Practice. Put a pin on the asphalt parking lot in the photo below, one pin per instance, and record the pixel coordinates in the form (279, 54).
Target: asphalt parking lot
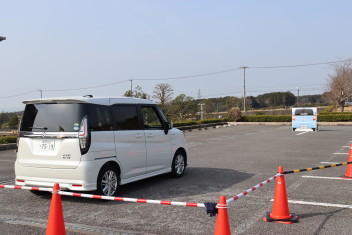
(223, 161)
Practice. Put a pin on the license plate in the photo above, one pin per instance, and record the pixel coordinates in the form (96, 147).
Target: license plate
(303, 126)
(47, 145)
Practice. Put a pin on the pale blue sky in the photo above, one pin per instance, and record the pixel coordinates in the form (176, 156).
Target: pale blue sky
(60, 45)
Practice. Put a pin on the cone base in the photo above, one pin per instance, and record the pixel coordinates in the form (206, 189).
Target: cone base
(347, 177)
(293, 219)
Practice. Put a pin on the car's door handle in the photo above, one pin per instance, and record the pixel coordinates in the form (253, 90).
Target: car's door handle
(139, 136)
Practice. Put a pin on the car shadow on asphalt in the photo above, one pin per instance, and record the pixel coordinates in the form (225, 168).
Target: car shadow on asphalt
(196, 181)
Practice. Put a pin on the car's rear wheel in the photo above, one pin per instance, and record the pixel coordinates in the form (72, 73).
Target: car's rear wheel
(178, 164)
(108, 181)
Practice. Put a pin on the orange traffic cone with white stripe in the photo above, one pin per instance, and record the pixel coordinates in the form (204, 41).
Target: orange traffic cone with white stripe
(222, 226)
(56, 224)
(280, 211)
(348, 174)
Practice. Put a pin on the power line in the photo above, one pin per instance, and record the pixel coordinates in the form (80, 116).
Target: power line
(190, 76)
(92, 87)
(297, 65)
(25, 93)
(183, 77)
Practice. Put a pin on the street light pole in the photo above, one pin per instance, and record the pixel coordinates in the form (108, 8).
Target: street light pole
(244, 86)
(297, 95)
(131, 87)
(201, 111)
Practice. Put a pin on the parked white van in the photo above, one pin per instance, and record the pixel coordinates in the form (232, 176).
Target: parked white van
(96, 144)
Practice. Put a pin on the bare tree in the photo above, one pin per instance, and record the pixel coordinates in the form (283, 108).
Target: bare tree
(163, 94)
(340, 84)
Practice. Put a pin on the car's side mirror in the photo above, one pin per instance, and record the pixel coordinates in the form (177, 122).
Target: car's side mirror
(167, 127)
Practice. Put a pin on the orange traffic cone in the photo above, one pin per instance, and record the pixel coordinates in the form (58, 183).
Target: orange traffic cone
(222, 226)
(56, 224)
(348, 174)
(280, 212)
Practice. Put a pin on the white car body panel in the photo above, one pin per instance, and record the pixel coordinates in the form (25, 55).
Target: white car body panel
(45, 158)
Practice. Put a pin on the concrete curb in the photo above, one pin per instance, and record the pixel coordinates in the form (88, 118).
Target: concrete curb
(7, 146)
(286, 123)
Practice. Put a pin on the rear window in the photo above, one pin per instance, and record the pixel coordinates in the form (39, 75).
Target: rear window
(304, 112)
(53, 117)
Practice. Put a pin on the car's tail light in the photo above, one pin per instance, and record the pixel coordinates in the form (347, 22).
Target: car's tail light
(84, 136)
(293, 117)
(314, 117)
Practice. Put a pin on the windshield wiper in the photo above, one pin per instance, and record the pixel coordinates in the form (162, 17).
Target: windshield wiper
(41, 128)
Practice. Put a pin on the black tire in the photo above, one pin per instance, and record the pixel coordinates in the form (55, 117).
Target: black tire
(313, 129)
(178, 164)
(40, 193)
(293, 129)
(108, 181)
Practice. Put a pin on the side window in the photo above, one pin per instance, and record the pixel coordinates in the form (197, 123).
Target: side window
(151, 119)
(125, 117)
(100, 118)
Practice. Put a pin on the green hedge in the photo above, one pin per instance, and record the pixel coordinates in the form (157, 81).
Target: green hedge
(287, 118)
(335, 113)
(335, 118)
(205, 121)
(266, 118)
(8, 139)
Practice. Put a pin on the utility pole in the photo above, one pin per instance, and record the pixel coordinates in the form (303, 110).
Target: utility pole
(244, 86)
(297, 95)
(201, 111)
(131, 88)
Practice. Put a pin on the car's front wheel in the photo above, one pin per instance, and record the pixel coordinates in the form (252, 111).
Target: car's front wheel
(178, 164)
(108, 181)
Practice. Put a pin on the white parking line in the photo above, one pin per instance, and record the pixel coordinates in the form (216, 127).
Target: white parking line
(302, 133)
(324, 177)
(330, 162)
(318, 204)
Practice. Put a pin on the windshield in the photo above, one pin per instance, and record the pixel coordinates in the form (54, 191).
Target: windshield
(53, 117)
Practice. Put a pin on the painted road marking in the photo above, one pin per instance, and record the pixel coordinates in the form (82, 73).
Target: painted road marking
(7, 161)
(324, 177)
(330, 162)
(318, 204)
(302, 133)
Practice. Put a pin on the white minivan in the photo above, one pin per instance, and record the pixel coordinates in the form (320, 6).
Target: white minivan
(96, 144)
